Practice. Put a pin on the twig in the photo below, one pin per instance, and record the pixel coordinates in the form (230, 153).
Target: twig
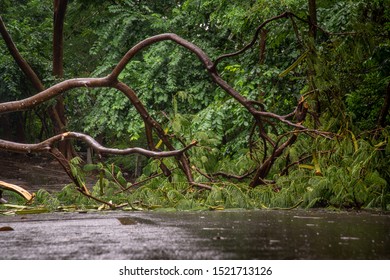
(299, 161)
(232, 176)
(255, 37)
(203, 173)
(140, 182)
(112, 206)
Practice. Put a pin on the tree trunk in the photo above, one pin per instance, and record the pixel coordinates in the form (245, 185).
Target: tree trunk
(57, 113)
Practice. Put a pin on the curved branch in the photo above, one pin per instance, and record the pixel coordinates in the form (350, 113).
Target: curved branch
(112, 79)
(51, 92)
(250, 44)
(19, 190)
(209, 65)
(203, 57)
(158, 38)
(47, 145)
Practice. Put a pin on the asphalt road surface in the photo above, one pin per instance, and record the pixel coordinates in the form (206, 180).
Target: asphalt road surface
(211, 235)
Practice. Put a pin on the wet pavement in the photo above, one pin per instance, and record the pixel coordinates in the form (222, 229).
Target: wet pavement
(295, 234)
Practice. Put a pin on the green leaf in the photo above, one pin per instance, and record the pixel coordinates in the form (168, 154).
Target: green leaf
(90, 167)
(32, 211)
(121, 179)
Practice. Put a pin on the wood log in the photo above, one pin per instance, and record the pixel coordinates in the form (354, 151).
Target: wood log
(19, 190)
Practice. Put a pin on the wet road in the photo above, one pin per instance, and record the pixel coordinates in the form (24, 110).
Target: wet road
(123, 235)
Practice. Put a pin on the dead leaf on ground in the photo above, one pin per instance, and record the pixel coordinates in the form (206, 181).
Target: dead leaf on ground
(6, 228)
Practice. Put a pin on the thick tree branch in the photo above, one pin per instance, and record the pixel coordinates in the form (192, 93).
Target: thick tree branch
(209, 65)
(47, 146)
(111, 79)
(203, 57)
(31, 102)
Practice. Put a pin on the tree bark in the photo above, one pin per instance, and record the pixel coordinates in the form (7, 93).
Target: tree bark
(57, 113)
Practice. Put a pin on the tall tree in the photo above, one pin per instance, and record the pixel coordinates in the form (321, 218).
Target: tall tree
(57, 113)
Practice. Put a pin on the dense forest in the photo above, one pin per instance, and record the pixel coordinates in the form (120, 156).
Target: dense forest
(200, 104)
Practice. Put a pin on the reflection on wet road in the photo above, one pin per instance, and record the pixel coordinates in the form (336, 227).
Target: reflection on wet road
(197, 235)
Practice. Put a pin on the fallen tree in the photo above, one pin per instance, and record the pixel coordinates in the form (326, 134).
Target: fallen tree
(288, 133)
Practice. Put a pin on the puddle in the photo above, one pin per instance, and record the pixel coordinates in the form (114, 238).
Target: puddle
(126, 221)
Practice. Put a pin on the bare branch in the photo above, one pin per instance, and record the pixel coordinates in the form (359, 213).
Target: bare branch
(48, 144)
(158, 38)
(255, 37)
(17, 189)
(233, 176)
(136, 184)
(51, 92)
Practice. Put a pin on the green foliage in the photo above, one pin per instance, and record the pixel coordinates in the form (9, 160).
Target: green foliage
(11, 198)
(352, 71)
(353, 175)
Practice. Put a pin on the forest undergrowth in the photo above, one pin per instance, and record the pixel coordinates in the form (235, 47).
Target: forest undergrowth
(345, 173)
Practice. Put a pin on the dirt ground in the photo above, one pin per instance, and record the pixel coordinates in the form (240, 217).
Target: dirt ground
(32, 172)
